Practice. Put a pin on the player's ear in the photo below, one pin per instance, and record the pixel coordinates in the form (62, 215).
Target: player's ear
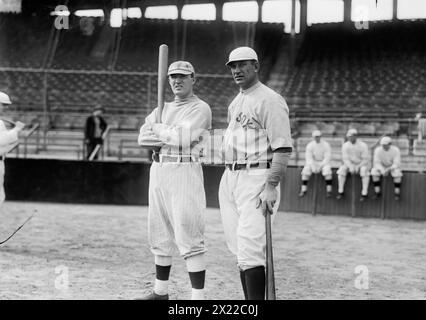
(256, 66)
(193, 78)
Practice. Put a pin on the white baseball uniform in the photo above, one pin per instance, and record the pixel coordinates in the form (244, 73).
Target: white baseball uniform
(176, 190)
(7, 139)
(356, 156)
(318, 156)
(384, 160)
(258, 124)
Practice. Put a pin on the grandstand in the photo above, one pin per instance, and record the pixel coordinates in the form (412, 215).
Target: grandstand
(333, 77)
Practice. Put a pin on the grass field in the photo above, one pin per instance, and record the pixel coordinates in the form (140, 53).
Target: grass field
(103, 252)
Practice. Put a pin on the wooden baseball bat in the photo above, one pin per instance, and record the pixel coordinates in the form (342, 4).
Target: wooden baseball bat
(270, 276)
(163, 53)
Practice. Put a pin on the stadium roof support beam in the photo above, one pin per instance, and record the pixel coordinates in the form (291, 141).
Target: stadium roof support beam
(395, 10)
(303, 15)
(259, 12)
(347, 9)
(219, 9)
(293, 17)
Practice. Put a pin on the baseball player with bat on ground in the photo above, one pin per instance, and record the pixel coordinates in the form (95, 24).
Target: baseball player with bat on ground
(176, 188)
(257, 146)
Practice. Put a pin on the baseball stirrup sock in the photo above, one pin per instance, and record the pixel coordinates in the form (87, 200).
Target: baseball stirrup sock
(197, 283)
(376, 185)
(397, 186)
(197, 279)
(161, 285)
(162, 272)
(328, 184)
(255, 281)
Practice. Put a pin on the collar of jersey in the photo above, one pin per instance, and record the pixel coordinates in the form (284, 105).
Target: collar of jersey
(179, 102)
(252, 88)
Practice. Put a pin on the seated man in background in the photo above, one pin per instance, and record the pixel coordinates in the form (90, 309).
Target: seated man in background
(387, 159)
(355, 157)
(318, 156)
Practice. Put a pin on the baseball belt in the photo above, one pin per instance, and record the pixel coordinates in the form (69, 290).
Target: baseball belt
(243, 166)
(169, 158)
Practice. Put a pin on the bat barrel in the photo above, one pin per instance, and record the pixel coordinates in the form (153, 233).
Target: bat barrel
(163, 53)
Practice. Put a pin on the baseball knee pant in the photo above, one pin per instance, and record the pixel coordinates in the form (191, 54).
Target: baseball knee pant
(243, 223)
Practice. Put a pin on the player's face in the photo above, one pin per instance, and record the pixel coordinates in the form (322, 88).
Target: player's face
(181, 85)
(244, 73)
(386, 147)
(352, 139)
(318, 139)
(1, 107)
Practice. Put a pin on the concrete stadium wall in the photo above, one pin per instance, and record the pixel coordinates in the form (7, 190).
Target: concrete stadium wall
(126, 183)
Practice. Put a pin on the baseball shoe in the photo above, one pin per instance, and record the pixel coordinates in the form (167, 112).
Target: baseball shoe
(363, 198)
(154, 296)
(302, 194)
(340, 196)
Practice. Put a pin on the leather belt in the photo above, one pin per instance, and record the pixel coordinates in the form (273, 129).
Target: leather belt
(2, 158)
(243, 166)
(171, 159)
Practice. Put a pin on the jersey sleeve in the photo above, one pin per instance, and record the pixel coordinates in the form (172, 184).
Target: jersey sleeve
(274, 117)
(309, 154)
(189, 129)
(397, 158)
(147, 138)
(8, 137)
(376, 157)
(327, 154)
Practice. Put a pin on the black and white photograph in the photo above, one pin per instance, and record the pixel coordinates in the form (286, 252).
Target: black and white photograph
(212, 150)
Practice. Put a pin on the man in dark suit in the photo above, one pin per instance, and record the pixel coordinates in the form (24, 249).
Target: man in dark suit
(95, 127)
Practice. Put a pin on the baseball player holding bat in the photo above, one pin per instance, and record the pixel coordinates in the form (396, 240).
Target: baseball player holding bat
(257, 145)
(176, 188)
(8, 139)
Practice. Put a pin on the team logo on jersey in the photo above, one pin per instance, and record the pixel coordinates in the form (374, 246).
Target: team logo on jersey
(247, 121)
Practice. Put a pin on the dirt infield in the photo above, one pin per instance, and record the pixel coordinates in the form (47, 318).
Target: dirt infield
(103, 252)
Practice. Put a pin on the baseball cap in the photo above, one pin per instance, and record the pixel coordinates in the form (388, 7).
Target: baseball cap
(351, 132)
(241, 54)
(4, 98)
(385, 141)
(98, 107)
(181, 67)
(316, 133)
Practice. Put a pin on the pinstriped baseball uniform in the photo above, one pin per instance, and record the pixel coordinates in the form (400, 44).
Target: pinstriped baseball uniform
(258, 123)
(7, 139)
(176, 190)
